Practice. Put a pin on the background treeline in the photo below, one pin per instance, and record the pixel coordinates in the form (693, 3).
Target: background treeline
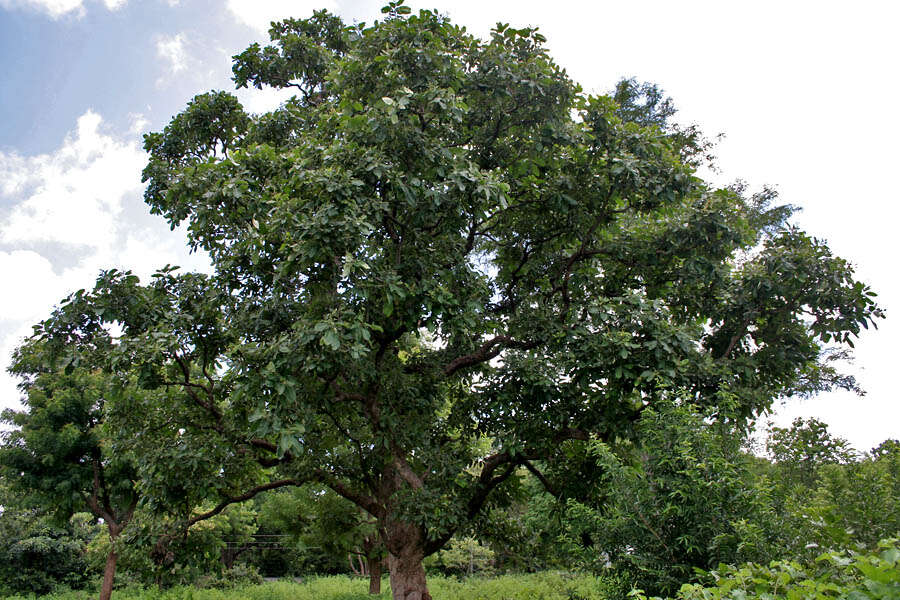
(690, 497)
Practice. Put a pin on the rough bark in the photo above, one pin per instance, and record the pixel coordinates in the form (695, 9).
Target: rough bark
(109, 575)
(406, 549)
(374, 574)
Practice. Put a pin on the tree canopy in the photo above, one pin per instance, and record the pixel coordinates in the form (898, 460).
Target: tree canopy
(60, 454)
(439, 262)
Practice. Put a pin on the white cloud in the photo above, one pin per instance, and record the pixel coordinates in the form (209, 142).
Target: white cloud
(58, 8)
(171, 49)
(25, 265)
(139, 124)
(85, 196)
(75, 193)
(75, 211)
(258, 14)
(53, 8)
(264, 100)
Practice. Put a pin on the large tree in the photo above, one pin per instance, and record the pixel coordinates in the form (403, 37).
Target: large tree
(441, 261)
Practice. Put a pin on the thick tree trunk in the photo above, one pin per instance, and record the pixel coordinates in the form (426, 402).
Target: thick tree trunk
(406, 549)
(408, 577)
(109, 575)
(374, 574)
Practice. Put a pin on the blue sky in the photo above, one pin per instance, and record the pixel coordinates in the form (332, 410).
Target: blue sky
(804, 91)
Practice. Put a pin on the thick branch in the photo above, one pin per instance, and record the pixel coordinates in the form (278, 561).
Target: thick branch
(161, 553)
(365, 502)
(404, 469)
(486, 352)
(269, 447)
(540, 477)
(486, 483)
(248, 495)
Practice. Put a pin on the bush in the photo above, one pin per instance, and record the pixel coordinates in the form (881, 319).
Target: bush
(682, 500)
(38, 555)
(239, 575)
(838, 575)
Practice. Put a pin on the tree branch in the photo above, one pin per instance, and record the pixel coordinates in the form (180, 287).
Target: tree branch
(365, 502)
(486, 352)
(540, 477)
(248, 495)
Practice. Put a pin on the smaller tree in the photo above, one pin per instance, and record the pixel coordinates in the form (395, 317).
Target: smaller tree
(801, 449)
(465, 556)
(58, 454)
(684, 498)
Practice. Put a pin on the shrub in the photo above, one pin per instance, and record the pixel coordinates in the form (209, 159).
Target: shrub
(848, 575)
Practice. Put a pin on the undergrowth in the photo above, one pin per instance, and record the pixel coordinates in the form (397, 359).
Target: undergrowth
(537, 586)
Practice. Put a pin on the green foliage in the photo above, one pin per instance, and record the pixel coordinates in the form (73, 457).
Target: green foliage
(802, 449)
(539, 586)
(826, 496)
(193, 557)
(683, 499)
(438, 263)
(37, 554)
(60, 441)
(522, 528)
(321, 529)
(463, 556)
(839, 575)
(60, 454)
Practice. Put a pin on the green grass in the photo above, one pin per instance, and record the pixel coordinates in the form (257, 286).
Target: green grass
(538, 586)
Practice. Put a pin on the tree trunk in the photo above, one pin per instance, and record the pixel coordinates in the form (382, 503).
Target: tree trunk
(228, 557)
(374, 574)
(406, 549)
(109, 575)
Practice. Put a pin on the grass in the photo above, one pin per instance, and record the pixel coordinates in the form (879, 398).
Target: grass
(537, 586)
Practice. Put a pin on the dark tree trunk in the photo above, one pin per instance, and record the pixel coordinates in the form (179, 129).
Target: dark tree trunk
(109, 575)
(228, 556)
(406, 549)
(374, 574)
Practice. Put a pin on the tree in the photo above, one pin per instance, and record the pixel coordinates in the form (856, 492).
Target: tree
(829, 497)
(683, 498)
(802, 449)
(440, 261)
(59, 454)
(199, 555)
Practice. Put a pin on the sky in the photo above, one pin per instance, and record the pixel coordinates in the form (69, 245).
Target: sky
(805, 93)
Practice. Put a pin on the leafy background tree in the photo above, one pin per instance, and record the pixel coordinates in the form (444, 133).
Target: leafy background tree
(683, 498)
(329, 534)
(58, 455)
(38, 553)
(828, 496)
